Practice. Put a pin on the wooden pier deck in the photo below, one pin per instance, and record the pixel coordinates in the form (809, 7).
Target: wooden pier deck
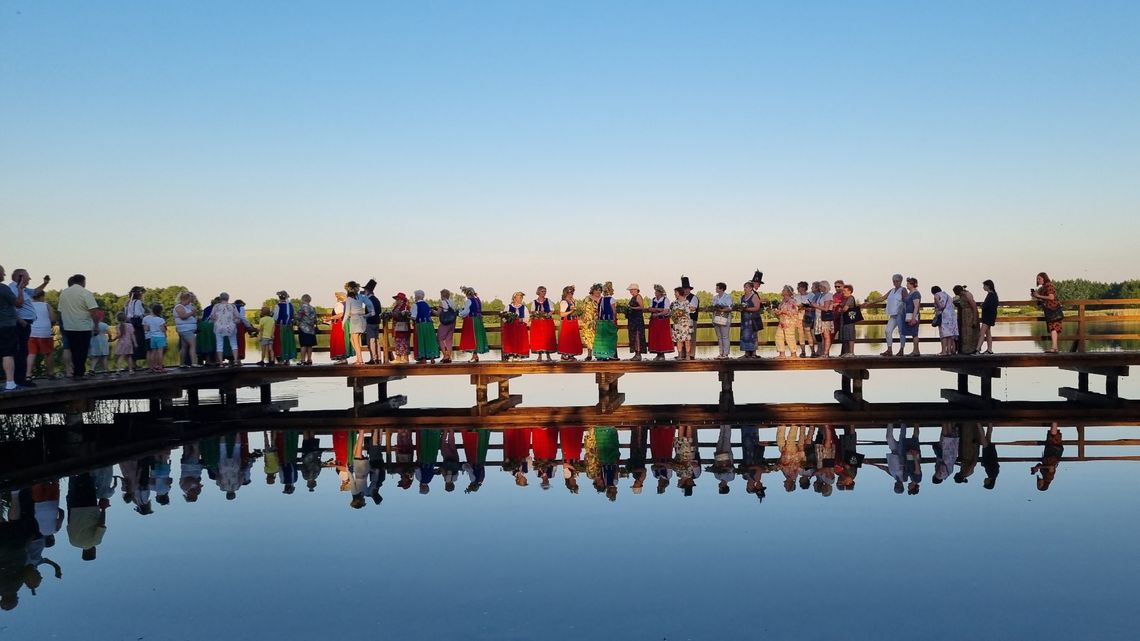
(502, 407)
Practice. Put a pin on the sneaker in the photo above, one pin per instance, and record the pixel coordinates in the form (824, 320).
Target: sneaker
(10, 387)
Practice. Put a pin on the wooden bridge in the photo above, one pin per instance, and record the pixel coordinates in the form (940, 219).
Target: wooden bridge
(502, 408)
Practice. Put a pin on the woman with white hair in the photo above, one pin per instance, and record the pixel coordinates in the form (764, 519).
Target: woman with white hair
(427, 346)
(226, 318)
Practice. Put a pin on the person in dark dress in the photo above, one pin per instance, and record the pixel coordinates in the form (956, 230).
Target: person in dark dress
(635, 322)
(990, 458)
(989, 318)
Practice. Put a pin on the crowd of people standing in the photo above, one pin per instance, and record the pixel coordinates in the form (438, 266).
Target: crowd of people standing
(809, 319)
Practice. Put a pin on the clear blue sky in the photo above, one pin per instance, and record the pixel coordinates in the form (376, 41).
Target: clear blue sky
(258, 145)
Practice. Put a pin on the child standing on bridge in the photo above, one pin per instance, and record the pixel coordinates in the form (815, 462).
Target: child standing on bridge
(154, 325)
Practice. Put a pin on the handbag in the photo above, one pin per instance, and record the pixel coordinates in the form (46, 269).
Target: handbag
(1054, 315)
(909, 316)
(448, 316)
(827, 315)
(937, 320)
(720, 320)
(853, 315)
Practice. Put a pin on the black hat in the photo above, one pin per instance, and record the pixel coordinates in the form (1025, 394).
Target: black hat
(370, 286)
(685, 283)
(758, 277)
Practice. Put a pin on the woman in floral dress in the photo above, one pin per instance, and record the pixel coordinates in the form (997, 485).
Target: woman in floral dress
(948, 328)
(588, 321)
(1046, 297)
(682, 325)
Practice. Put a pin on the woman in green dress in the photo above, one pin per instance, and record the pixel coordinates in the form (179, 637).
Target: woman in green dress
(605, 330)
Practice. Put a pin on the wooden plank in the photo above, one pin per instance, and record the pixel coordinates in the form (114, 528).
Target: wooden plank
(848, 401)
(981, 372)
(378, 407)
(965, 398)
(353, 381)
(1090, 398)
(1115, 370)
(496, 406)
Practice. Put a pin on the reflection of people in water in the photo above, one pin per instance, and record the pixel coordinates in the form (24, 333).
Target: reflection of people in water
(367, 472)
(990, 458)
(428, 452)
(190, 472)
(285, 442)
(825, 442)
(270, 459)
(48, 514)
(609, 453)
(20, 548)
(912, 463)
(475, 443)
(752, 465)
(405, 454)
(847, 467)
(896, 457)
(234, 464)
(970, 435)
(570, 440)
(516, 453)
(1050, 458)
(722, 467)
(635, 464)
(684, 458)
(789, 439)
(86, 514)
(449, 467)
(945, 453)
(160, 479)
(310, 459)
(661, 449)
(136, 484)
(545, 443)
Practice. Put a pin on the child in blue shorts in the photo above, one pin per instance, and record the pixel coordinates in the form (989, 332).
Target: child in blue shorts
(154, 326)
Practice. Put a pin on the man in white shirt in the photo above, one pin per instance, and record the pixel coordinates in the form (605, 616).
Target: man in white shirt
(895, 314)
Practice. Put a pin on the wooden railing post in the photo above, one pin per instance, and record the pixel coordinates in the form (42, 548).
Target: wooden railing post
(1081, 328)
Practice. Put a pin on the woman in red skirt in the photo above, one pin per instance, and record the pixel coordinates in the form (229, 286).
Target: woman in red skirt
(660, 334)
(336, 329)
(545, 443)
(542, 337)
(515, 334)
(569, 338)
(516, 451)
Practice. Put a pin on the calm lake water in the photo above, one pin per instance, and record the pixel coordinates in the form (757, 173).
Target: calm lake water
(245, 558)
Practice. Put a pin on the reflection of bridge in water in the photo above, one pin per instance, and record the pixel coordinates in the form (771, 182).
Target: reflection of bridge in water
(182, 394)
(61, 450)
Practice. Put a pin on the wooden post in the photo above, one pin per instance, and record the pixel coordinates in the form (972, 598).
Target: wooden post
(1081, 328)
(727, 399)
(192, 397)
(384, 344)
(1080, 441)
(266, 393)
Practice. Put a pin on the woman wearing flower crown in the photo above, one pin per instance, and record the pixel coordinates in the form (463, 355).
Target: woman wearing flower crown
(569, 333)
(515, 337)
(542, 336)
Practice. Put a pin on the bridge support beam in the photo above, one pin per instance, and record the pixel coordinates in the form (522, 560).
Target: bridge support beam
(850, 392)
(1082, 394)
(963, 396)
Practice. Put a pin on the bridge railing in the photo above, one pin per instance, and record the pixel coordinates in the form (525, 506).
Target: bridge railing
(1080, 316)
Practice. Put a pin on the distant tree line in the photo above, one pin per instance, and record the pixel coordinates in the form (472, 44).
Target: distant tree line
(1079, 288)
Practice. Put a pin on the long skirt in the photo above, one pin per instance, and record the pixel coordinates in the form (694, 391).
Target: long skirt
(427, 348)
(750, 325)
(636, 329)
(401, 337)
(571, 439)
(473, 336)
(569, 338)
(475, 443)
(605, 339)
(660, 335)
(446, 335)
(228, 349)
(968, 330)
(207, 343)
(516, 339)
(542, 337)
(336, 341)
(141, 343)
(284, 343)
